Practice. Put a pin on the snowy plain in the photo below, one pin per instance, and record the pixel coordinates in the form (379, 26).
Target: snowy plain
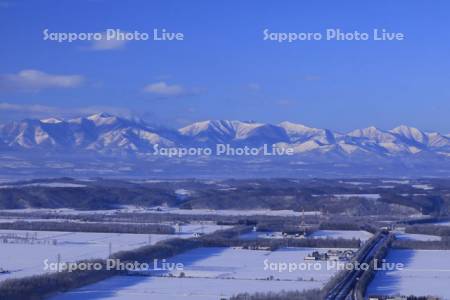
(212, 273)
(344, 234)
(27, 258)
(426, 272)
(417, 237)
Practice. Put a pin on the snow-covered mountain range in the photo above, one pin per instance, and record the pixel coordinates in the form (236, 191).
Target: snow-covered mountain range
(104, 133)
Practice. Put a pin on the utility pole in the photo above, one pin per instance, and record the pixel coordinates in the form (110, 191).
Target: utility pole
(58, 258)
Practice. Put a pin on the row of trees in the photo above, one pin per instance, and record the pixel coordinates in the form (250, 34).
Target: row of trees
(347, 226)
(429, 229)
(422, 245)
(313, 294)
(89, 227)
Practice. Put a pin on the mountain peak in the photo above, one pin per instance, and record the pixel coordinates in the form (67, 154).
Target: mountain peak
(409, 133)
(294, 126)
(404, 128)
(99, 116)
(51, 120)
(102, 118)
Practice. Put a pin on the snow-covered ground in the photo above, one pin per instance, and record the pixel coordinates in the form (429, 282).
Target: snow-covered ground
(24, 259)
(47, 184)
(212, 273)
(426, 272)
(345, 234)
(159, 288)
(423, 186)
(206, 227)
(349, 196)
(261, 235)
(396, 181)
(417, 237)
(365, 196)
(356, 182)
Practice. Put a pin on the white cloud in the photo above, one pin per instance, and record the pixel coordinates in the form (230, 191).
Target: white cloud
(163, 89)
(108, 43)
(17, 111)
(34, 80)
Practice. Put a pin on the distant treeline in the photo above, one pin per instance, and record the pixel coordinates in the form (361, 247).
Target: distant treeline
(411, 297)
(426, 221)
(274, 244)
(159, 217)
(89, 227)
(40, 286)
(429, 229)
(313, 294)
(287, 227)
(347, 226)
(422, 245)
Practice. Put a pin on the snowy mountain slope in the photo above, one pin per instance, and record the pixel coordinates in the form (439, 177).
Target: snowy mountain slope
(105, 133)
(223, 131)
(99, 132)
(301, 133)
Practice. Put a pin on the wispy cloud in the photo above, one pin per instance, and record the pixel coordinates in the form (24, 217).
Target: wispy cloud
(18, 111)
(166, 90)
(34, 80)
(109, 42)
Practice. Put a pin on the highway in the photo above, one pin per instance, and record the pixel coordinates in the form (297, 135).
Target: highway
(344, 289)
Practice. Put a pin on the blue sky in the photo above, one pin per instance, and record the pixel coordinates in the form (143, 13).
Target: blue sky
(223, 69)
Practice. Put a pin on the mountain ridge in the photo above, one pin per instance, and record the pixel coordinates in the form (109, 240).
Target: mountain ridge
(106, 133)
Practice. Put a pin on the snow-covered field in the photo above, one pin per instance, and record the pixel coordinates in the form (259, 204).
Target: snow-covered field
(423, 186)
(426, 272)
(365, 196)
(417, 237)
(396, 181)
(211, 273)
(49, 184)
(24, 259)
(160, 288)
(345, 234)
(261, 235)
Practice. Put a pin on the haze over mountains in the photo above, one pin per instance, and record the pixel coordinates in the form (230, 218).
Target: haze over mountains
(108, 134)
